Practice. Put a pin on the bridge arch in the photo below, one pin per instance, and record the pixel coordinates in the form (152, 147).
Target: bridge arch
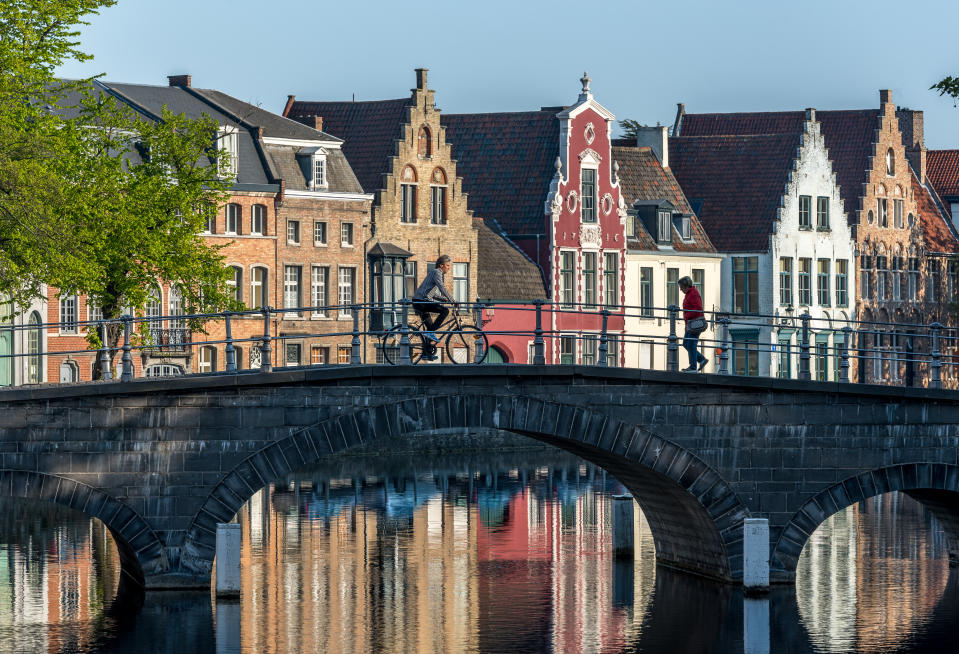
(693, 514)
(934, 485)
(139, 549)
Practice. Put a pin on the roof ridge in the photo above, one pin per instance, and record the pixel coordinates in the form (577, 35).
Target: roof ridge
(296, 102)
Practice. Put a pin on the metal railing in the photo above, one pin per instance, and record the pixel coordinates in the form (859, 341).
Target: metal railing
(799, 347)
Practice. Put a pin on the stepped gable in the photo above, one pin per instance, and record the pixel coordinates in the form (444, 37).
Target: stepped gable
(643, 178)
(937, 236)
(740, 180)
(504, 272)
(506, 163)
(942, 169)
(849, 136)
(369, 131)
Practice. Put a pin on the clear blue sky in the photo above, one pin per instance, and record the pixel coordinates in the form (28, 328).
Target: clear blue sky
(509, 55)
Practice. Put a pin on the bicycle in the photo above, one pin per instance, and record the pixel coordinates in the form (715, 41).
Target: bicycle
(460, 341)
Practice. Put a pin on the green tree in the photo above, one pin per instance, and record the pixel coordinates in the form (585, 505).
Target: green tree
(630, 128)
(94, 198)
(947, 86)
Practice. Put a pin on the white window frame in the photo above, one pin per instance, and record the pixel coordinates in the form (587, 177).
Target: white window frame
(438, 199)
(68, 316)
(292, 232)
(324, 242)
(408, 202)
(319, 290)
(564, 287)
(347, 235)
(232, 218)
(461, 283)
(262, 285)
(292, 283)
(236, 282)
(206, 362)
(593, 197)
(228, 139)
(318, 179)
(258, 219)
(345, 289)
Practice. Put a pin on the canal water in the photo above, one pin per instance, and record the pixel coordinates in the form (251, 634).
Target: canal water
(496, 552)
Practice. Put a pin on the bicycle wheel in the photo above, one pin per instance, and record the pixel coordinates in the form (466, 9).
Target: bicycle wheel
(390, 345)
(461, 345)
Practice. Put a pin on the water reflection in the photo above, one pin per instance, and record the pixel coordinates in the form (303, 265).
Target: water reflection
(474, 553)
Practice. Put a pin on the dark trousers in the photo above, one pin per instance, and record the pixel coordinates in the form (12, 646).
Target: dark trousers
(425, 309)
(691, 343)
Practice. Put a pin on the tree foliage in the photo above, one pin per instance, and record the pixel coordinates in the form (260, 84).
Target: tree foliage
(630, 128)
(947, 86)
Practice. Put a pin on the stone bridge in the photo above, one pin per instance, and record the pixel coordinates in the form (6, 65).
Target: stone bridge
(161, 462)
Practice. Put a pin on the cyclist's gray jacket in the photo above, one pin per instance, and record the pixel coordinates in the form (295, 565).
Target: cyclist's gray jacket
(433, 288)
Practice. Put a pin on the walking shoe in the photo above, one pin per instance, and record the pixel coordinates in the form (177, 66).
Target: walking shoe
(430, 335)
(430, 357)
(702, 364)
(690, 369)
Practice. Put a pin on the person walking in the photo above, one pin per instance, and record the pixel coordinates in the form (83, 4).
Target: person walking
(695, 321)
(426, 301)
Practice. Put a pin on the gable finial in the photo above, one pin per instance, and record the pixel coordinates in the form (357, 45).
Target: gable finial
(558, 165)
(585, 80)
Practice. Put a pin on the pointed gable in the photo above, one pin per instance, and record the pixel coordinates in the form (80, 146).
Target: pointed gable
(740, 181)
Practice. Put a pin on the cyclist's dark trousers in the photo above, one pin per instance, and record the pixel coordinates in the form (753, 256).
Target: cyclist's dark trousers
(427, 308)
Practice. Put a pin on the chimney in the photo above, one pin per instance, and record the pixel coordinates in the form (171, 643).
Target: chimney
(810, 114)
(911, 125)
(318, 123)
(678, 123)
(290, 99)
(885, 97)
(179, 80)
(421, 78)
(657, 139)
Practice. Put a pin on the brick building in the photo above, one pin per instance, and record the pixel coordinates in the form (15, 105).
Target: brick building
(399, 152)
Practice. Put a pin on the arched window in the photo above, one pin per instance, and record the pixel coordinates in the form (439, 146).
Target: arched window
(438, 197)
(68, 372)
(258, 219)
(258, 288)
(207, 359)
(232, 218)
(424, 145)
(34, 341)
(154, 309)
(176, 309)
(236, 283)
(408, 195)
(890, 162)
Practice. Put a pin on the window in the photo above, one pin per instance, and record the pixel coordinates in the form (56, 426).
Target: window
(745, 353)
(347, 282)
(823, 284)
(686, 230)
(805, 212)
(611, 279)
(865, 277)
(207, 359)
(343, 353)
(258, 219)
(293, 354)
(319, 171)
(94, 312)
(890, 162)
(236, 283)
(822, 357)
(588, 195)
(842, 283)
(68, 314)
(232, 218)
(672, 286)
(665, 228)
(291, 290)
(822, 213)
(424, 142)
(162, 370)
(408, 203)
(153, 310)
(320, 281)
(881, 288)
(935, 272)
(897, 213)
(838, 341)
(952, 282)
(567, 271)
(259, 294)
(319, 233)
(228, 142)
(256, 357)
(589, 279)
(785, 281)
(589, 351)
(612, 351)
(175, 298)
(319, 355)
(293, 232)
(805, 281)
(346, 235)
(34, 342)
(785, 357)
(895, 275)
(461, 282)
(567, 350)
(646, 292)
(68, 372)
(745, 284)
(210, 223)
(883, 212)
(699, 282)
(912, 279)
(410, 279)
(438, 205)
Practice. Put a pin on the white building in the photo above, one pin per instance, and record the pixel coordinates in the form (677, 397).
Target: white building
(771, 203)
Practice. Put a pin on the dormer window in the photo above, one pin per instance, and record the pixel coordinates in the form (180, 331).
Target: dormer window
(318, 179)
(665, 234)
(228, 142)
(683, 223)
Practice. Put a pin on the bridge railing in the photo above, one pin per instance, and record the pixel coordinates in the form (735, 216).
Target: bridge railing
(808, 347)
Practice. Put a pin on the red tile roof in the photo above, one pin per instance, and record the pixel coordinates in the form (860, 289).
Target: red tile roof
(369, 130)
(506, 163)
(642, 177)
(942, 168)
(849, 137)
(937, 234)
(741, 181)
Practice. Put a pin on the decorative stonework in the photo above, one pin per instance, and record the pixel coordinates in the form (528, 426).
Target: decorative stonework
(607, 204)
(588, 154)
(590, 133)
(590, 236)
(572, 200)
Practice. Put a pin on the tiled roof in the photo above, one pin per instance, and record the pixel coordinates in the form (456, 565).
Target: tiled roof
(274, 125)
(849, 137)
(942, 168)
(503, 271)
(506, 163)
(937, 235)
(740, 179)
(369, 131)
(339, 175)
(642, 178)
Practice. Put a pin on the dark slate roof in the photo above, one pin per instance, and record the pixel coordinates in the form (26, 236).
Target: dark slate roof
(937, 233)
(741, 181)
(503, 271)
(274, 125)
(942, 168)
(849, 137)
(642, 178)
(369, 131)
(339, 175)
(506, 163)
(389, 250)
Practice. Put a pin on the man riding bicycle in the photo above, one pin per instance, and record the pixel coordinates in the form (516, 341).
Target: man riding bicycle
(426, 301)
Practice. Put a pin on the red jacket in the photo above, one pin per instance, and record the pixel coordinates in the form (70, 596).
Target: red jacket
(692, 305)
